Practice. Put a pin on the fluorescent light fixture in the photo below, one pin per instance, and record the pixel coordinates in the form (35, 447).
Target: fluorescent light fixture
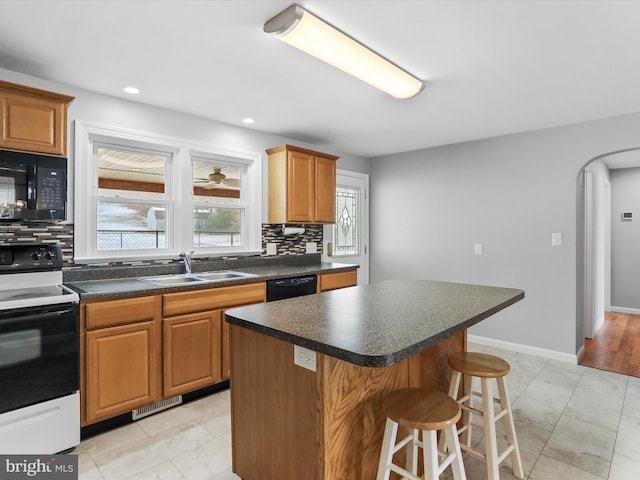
(247, 120)
(132, 90)
(299, 28)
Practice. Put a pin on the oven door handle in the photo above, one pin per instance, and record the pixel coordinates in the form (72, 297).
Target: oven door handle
(14, 317)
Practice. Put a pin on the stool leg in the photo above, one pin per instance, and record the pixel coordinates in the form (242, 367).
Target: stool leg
(430, 453)
(466, 415)
(453, 444)
(386, 453)
(454, 387)
(488, 415)
(412, 451)
(516, 462)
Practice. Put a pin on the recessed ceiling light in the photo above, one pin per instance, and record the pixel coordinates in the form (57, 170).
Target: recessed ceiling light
(132, 90)
(248, 120)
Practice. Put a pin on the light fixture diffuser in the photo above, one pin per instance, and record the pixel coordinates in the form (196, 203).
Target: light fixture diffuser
(301, 29)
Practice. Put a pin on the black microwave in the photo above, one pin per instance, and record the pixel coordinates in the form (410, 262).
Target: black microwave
(32, 187)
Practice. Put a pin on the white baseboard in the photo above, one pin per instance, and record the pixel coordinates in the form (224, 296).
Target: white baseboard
(518, 347)
(632, 311)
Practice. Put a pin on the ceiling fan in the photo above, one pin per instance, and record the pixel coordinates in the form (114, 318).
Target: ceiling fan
(217, 179)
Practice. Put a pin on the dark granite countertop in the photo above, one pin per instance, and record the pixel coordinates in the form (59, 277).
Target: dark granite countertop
(133, 286)
(379, 324)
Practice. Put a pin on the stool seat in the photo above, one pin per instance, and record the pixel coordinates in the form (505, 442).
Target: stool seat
(421, 409)
(479, 364)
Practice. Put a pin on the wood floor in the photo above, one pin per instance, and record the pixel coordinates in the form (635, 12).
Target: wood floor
(616, 346)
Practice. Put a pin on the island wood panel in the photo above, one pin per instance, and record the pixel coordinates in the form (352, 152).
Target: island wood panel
(353, 422)
(289, 422)
(430, 367)
(275, 411)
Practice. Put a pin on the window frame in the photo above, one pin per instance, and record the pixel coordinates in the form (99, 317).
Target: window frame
(178, 192)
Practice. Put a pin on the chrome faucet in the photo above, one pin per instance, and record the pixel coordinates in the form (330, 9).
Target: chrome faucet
(187, 260)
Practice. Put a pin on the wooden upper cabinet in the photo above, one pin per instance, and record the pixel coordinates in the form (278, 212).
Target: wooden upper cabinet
(302, 185)
(33, 120)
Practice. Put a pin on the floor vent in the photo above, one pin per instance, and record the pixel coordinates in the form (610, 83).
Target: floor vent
(156, 407)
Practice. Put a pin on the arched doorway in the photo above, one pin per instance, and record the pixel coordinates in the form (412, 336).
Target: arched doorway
(597, 267)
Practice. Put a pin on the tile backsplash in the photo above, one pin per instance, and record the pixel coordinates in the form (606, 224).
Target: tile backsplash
(33, 233)
(291, 244)
(14, 233)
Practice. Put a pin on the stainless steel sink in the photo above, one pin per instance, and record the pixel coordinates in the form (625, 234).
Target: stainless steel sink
(213, 276)
(191, 278)
(168, 280)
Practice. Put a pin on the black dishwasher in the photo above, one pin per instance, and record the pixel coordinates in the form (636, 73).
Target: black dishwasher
(291, 287)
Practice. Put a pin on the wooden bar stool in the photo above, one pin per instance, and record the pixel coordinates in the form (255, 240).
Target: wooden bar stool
(427, 410)
(486, 367)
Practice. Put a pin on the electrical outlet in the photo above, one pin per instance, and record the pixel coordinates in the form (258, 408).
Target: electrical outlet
(477, 248)
(556, 239)
(272, 249)
(304, 358)
(312, 247)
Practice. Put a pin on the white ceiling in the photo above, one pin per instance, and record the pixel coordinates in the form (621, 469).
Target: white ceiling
(490, 67)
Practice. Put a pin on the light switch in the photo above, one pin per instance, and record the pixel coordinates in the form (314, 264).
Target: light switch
(477, 248)
(556, 239)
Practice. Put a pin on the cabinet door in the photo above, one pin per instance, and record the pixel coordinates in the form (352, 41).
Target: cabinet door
(300, 187)
(124, 370)
(192, 352)
(33, 124)
(325, 210)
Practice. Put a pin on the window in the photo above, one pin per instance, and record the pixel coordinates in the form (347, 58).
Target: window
(345, 231)
(140, 187)
(218, 207)
(132, 206)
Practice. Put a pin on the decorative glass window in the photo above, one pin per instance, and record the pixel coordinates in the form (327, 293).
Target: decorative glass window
(345, 232)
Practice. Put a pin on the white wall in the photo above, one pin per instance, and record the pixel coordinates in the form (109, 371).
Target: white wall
(93, 107)
(509, 193)
(625, 239)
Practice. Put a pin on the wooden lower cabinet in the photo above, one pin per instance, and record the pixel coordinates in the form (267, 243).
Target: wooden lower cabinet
(139, 351)
(201, 304)
(333, 281)
(123, 370)
(191, 349)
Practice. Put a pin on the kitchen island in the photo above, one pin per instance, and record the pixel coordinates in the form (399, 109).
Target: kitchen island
(323, 420)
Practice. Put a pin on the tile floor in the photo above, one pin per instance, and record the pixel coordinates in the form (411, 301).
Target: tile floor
(573, 423)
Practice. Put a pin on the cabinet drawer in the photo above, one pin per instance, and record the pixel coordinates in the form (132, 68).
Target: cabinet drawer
(212, 298)
(332, 281)
(120, 312)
